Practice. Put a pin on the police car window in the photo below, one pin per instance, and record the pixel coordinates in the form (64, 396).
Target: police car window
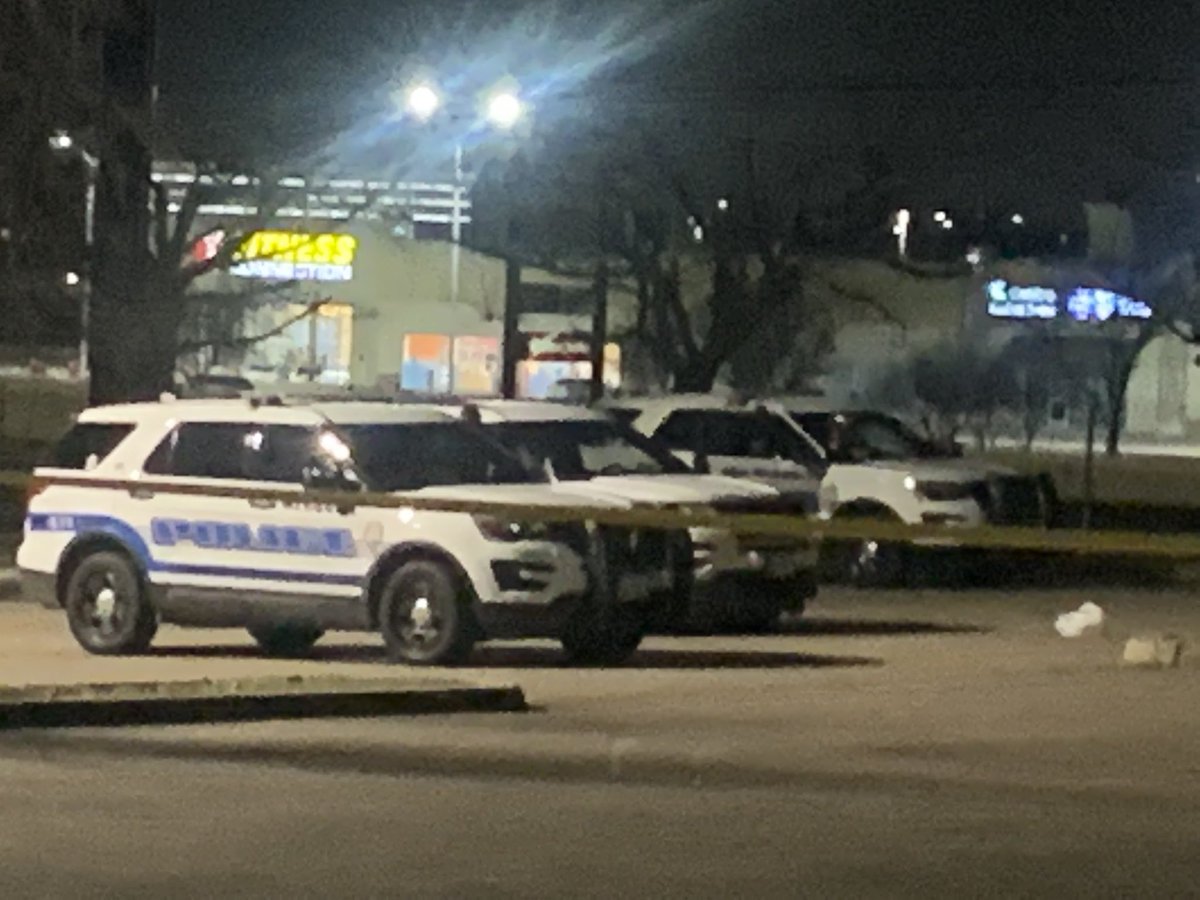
(413, 456)
(788, 444)
(88, 443)
(585, 448)
(729, 434)
(203, 450)
(817, 425)
(681, 431)
(278, 453)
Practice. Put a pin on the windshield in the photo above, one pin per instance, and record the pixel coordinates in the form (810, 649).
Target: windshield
(861, 438)
(408, 457)
(585, 448)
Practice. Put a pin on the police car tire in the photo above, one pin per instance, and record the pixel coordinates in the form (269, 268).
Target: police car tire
(285, 640)
(603, 640)
(138, 624)
(447, 601)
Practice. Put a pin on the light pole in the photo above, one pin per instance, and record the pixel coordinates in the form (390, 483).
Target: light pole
(503, 111)
(62, 142)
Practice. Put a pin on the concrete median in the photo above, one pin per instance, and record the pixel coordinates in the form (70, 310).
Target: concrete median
(248, 699)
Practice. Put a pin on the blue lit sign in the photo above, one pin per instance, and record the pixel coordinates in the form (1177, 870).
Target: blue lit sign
(1010, 301)
(1099, 305)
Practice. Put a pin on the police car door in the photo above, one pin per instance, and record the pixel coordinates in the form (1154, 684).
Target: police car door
(238, 545)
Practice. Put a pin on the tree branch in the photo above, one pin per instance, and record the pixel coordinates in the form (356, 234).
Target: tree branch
(870, 302)
(234, 343)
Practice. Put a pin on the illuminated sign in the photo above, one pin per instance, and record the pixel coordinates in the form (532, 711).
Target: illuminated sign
(1099, 305)
(294, 256)
(1011, 301)
(207, 246)
(1084, 304)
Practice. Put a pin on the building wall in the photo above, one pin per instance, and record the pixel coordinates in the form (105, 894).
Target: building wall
(399, 287)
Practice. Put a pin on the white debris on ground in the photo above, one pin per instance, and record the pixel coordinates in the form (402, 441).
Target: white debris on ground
(1074, 624)
(1153, 652)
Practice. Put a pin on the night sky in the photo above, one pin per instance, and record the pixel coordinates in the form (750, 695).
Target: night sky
(1038, 101)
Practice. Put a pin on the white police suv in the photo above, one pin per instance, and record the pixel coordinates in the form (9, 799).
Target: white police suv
(873, 466)
(722, 580)
(141, 516)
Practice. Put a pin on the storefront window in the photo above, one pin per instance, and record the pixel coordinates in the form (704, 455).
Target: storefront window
(426, 363)
(470, 365)
(539, 380)
(476, 365)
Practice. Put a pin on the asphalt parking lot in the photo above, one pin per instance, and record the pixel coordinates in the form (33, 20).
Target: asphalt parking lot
(916, 743)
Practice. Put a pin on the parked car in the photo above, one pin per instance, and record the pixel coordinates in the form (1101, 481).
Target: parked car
(213, 386)
(117, 560)
(724, 580)
(874, 467)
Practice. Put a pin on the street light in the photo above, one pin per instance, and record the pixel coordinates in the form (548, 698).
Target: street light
(503, 111)
(62, 142)
(903, 222)
(423, 102)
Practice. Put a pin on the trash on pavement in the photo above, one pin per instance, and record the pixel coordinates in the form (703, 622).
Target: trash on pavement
(1074, 624)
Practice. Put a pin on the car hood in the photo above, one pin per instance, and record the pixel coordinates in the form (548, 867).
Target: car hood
(937, 469)
(670, 488)
(556, 495)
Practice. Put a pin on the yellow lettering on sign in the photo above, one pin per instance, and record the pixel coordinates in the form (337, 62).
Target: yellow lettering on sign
(345, 248)
(298, 248)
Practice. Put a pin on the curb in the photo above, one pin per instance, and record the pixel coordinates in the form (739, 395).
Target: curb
(257, 699)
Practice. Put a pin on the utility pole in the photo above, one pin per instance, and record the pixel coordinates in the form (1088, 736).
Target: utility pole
(600, 293)
(599, 329)
(512, 346)
(456, 224)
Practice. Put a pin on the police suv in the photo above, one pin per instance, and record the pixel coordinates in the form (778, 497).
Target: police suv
(142, 516)
(873, 467)
(722, 580)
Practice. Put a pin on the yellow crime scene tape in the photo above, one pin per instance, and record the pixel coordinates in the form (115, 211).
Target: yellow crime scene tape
(676, 517)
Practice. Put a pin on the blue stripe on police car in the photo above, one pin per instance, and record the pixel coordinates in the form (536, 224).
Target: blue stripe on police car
(267, 538)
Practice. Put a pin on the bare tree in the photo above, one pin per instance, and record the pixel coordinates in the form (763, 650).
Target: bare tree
(952, 387)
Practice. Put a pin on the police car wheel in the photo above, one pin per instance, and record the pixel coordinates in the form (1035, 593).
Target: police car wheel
(285, 640)
(603, 640)
(106, 606)
(423, 616)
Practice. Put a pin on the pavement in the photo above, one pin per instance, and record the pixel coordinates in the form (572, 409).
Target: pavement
(10, 585)
(895, 744)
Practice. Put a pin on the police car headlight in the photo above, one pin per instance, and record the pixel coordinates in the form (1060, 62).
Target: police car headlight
(497, 529)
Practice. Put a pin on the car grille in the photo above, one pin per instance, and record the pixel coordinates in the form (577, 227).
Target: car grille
(571, 534)
(641, 550)
(1015, 500)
